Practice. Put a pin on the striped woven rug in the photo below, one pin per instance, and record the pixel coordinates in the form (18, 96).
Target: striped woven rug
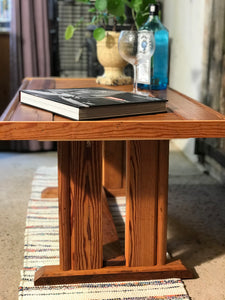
(42, 248)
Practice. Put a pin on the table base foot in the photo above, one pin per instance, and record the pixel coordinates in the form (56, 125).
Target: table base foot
(52, 275)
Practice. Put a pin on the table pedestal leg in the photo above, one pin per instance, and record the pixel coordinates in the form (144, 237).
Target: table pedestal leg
(80, 216)
(80, 205)
(146, 212)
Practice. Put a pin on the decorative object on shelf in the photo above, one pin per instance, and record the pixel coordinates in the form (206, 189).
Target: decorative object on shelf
(137, 47)
(111, 15)
(158, 77)
(110, 59)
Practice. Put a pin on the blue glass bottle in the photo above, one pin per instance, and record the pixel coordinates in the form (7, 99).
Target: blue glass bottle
(160, 58)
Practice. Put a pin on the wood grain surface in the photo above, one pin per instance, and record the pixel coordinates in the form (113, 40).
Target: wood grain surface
(80, 205)
(86, 205)
(109, 131)
(162, 201)
(141, 207)
(114, 168)
(51, 275)
(185, 118)
(112, 252)
(63, 149)
(26, 112)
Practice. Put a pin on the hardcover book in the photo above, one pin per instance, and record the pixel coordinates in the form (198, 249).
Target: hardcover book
(92, 103)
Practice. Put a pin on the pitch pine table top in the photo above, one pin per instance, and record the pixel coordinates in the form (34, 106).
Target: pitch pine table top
(185, 118)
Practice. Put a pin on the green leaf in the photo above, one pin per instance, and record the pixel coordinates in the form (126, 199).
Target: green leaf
(128, 3)
(101, 4)
(92, 10)
(116, 7)
(136, 5)
(99, 33)
(69, 32)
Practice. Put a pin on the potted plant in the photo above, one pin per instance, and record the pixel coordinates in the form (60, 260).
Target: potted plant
(112, 14)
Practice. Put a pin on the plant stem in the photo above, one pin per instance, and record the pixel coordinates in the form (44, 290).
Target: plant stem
(114, 24)
(134, 18)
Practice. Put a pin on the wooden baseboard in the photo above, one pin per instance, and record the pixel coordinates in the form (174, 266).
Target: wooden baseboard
(52, 275)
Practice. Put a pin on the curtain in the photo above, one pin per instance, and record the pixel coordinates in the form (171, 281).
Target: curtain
(29, 52)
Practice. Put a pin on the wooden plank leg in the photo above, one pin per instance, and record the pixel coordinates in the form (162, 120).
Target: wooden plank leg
(64, 157)
(114, 168)
(146, 212)
(86, 205)
(80, 205)
(141, 208)
(163, 170)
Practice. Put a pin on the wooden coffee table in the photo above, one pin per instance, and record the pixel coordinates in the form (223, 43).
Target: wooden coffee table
(91, 154)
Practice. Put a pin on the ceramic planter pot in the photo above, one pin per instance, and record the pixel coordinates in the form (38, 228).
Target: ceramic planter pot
(109, 57)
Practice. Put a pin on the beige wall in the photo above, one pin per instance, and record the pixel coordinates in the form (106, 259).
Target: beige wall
(186, 21)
